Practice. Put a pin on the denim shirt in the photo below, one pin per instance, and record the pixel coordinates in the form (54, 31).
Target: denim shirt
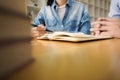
(115, 9)
(76, 18)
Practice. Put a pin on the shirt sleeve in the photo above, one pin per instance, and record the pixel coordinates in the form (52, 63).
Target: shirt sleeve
(114, 9)
(85, 22)
(39, 19)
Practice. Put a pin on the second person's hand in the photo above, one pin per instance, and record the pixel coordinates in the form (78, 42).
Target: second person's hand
(95, 29)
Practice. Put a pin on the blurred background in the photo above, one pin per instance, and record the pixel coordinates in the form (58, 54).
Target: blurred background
(96, 8)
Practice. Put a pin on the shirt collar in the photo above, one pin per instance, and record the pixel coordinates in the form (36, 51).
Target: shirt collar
(69, 3)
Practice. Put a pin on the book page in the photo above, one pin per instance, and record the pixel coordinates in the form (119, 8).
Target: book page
(67, 34)
(74, 37)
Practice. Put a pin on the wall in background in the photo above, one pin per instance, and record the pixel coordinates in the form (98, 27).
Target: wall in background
(34, 6)
(97, 8)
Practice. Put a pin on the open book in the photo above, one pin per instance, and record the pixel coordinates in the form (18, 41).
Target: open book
(73, 37)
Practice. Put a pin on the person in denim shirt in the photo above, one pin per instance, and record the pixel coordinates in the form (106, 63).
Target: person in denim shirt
(63, 15)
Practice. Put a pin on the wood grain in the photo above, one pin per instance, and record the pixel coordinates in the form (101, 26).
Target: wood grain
(96, 60)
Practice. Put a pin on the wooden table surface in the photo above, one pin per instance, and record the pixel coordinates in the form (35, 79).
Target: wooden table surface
(54, 60)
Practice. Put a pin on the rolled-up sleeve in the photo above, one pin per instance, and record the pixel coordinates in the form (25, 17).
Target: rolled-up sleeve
(85, 22)
(115, 9)
(39, 19)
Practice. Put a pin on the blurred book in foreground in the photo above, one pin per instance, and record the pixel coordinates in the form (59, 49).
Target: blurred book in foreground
(15, 37)
(14, 56)
(72, 37)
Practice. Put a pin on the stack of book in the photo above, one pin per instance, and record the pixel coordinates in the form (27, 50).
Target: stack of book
(15, 37)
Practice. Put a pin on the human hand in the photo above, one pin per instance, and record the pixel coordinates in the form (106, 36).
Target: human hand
(38, 31)
(95, 27)
(110, 27)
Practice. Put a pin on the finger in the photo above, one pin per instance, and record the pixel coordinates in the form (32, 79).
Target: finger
(96, 24)
(104, 28)
(105, 34)
(34, 28)
(97, 33)
(34, 32)
(94, 29)
(41, 27)
(36, 35)
(107, 19)
(104, 23)
(103, 19)
(110, 19)
(41, 33)
(100, 19)
(92, 33)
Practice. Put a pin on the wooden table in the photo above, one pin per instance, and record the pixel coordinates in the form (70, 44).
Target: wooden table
(95, 60)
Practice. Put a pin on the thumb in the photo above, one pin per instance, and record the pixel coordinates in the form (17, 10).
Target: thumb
(41, 27)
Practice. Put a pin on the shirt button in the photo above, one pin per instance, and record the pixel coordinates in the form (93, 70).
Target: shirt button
(62, 26)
